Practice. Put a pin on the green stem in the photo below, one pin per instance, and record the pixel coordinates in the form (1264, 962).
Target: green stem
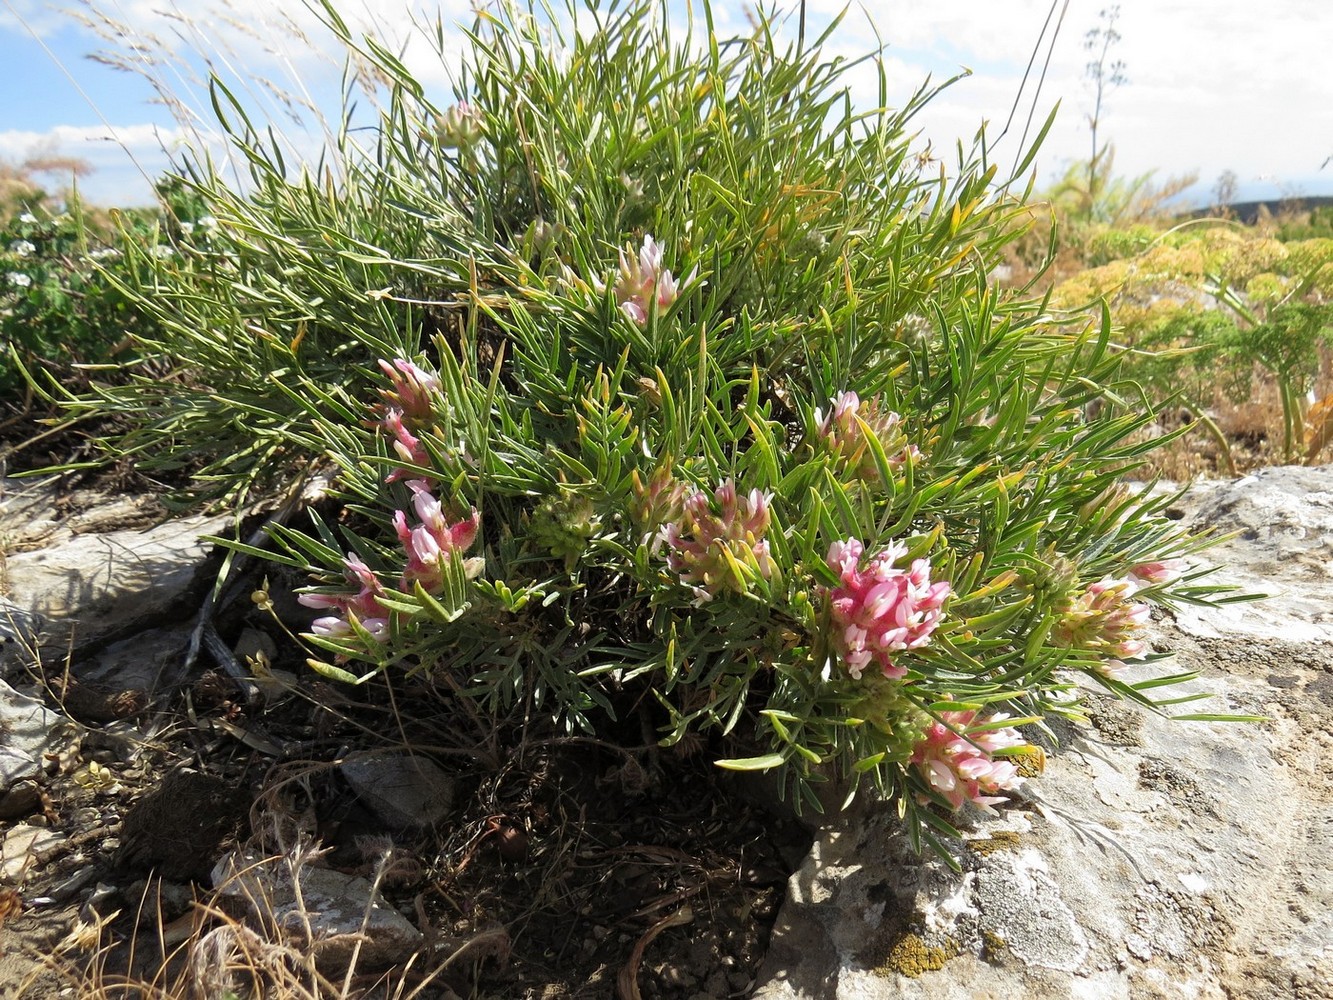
(1292, 423)
(1215, 432)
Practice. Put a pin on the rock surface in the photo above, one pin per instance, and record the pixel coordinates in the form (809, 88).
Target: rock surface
(402, 790)
(28, 729)
(1171, 860)
(21, 850)
(88, 570)
(339, 910)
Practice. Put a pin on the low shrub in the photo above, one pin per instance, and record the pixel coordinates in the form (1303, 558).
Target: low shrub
(652, 376)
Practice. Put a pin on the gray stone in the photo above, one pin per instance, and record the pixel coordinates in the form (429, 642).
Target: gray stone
(1283, 522)
(404, 790)
(28, 729)
(21, 850)
(94, 569)
(20, 634)
(20, 799)
(142, 662)
(1158, 859)
(339, 909)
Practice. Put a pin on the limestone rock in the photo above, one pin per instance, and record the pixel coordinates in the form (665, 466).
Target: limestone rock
(339, 909)
(20, 634)
(1171, 860)
(1283, 521)
(94, 570)
(21, 850)
(118, 680)
(28, 729)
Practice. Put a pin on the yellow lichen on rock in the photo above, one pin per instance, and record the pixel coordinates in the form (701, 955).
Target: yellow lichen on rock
(1000, 840)
(911, 956)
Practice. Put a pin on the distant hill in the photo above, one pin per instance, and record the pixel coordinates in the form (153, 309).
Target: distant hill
(1248, 211)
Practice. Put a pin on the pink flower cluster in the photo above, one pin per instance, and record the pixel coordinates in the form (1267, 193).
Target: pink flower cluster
(363, 606)
(964, 769)
(879, 610)
(842, 433)
(429, 546)
(414, 389)
(409, 405)
(718, 546)
(642, 281)
(431, 543)
(1104, 619)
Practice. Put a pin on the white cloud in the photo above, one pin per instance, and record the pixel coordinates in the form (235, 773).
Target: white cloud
(1212, 84)
(31, 15)
(125, 159)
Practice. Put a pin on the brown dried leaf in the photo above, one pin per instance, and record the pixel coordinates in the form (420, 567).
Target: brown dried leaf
(11, 905)
(1318, 428)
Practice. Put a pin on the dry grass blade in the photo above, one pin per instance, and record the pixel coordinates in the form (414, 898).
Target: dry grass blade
(627, 982)
(1318, 428)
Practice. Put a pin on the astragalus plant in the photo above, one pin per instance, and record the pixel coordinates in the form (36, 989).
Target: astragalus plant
(656, 376)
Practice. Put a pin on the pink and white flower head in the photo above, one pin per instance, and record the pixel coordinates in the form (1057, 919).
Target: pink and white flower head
(1153, 573)
(364, 604)
(461, 126)
(334, 627)
(719, 545)
(1105, 619)
(964, 769)
(642, 281)
(842, 433)
(414, 390)
(660, 501)
(879, 610)
(434, 541)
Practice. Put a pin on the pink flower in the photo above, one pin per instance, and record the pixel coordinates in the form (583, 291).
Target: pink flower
(363, 605)
(643, 281)
(880, 610)
(1151, 573)
(434, 541)
(407, 445)
(414, 390)
(1104, 619)
(842, 433)
(334, 627)
(964, 769)
(718, 546)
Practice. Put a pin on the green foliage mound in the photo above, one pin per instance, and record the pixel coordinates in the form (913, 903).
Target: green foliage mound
(652, 374)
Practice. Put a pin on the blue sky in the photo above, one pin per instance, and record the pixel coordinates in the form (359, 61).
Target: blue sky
(1212, 86)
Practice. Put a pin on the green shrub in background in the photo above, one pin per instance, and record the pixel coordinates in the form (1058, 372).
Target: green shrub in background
(653, 376)
(1202, 307)
(62, 303)
(50, 308)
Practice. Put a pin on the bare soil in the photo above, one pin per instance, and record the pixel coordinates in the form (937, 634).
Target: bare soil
(587, 868)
